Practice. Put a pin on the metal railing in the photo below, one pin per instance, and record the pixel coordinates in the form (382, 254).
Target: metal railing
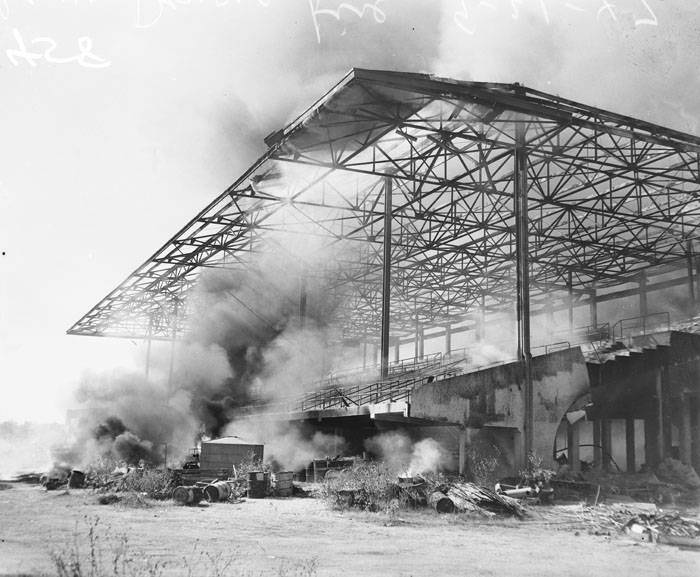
(641, 325)
(367, 394)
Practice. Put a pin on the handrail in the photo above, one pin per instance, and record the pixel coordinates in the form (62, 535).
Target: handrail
(642, 322)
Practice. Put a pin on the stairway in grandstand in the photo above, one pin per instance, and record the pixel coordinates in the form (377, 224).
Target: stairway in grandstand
(359, 387)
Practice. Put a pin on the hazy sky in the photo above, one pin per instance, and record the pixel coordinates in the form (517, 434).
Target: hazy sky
(119, 119)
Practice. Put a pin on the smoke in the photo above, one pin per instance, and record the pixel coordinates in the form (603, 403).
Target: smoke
(633, 57)
(245, 337)
(401, 454)
(248, 339)
(287, 445)
(127, 417)
(27, 447)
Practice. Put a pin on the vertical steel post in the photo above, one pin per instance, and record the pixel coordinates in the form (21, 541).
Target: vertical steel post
(172, 347)
(520, 189)
(691, 275)
(448, 339)
(593, 308)
(570, 304)
(386, 278)
(643, 295)
(482, 318)
(148, 347)
(302, 301)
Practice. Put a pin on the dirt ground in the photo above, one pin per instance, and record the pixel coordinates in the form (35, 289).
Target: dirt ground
(289, 536)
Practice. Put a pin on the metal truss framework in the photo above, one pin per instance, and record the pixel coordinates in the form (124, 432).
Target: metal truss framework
(478, 174)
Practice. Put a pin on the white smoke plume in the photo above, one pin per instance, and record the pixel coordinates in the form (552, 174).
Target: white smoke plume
(403, 455)
(28, 447)
(288, 446)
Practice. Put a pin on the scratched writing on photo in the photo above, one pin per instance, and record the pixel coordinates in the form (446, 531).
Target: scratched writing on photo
(470, 13)
(45, 48)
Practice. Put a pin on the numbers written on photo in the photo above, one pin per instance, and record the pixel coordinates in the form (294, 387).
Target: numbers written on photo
(45, 49)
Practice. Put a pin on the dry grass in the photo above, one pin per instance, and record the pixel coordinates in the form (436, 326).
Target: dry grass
(365, 485)
(154, 483)
(99, 552)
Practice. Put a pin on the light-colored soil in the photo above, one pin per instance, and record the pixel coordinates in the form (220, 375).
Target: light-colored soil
(263, 535)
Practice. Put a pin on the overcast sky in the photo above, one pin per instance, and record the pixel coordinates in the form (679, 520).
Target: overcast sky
(119, 119)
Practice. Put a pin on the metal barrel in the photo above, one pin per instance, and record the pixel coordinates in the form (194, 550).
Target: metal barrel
(258, 482)
(188, 495)
(284, 483)
(217, 491)
(441, 502)
(77, 479)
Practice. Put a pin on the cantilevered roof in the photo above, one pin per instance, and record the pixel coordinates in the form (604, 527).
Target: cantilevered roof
(608, 197)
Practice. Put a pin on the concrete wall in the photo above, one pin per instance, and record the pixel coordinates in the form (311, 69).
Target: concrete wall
(493, 397)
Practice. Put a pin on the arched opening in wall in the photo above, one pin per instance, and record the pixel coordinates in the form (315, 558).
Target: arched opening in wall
(574, 443)
(585, 440)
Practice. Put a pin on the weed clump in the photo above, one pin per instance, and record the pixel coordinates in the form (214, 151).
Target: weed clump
(96, 551)
(365, 485)
(90, 556)
(109, 477)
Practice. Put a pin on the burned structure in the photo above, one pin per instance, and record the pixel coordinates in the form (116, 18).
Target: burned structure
(514, 264)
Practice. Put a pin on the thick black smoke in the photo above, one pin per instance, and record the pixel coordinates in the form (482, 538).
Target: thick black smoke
(117, 442)
(255, 317)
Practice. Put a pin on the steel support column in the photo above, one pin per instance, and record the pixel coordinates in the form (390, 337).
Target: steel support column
(643, 295)
(386, 278)
(520, 190)
(172, 347)
(570, 306)
(302, 301)
(148, 348)
(691, 276)
(593, 308)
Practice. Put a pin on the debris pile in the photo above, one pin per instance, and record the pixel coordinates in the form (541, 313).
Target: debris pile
(671, 483)
(669, 528)
(641, 521)
(371, 487)
(471, 497)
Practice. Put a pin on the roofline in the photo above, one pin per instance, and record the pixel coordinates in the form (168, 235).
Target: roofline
(515, 96)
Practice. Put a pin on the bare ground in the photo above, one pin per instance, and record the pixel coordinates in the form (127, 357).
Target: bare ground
(261, 537)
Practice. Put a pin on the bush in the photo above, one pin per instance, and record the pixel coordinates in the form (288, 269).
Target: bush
(483, 461)
(106, 475)
(365, 485)
(155, 483)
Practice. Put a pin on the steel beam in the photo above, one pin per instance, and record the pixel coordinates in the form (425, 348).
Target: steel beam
(386, 278)
(520, 198)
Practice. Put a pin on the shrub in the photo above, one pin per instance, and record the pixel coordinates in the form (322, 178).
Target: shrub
(106, 475)
(483, 461)
(365, 485)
